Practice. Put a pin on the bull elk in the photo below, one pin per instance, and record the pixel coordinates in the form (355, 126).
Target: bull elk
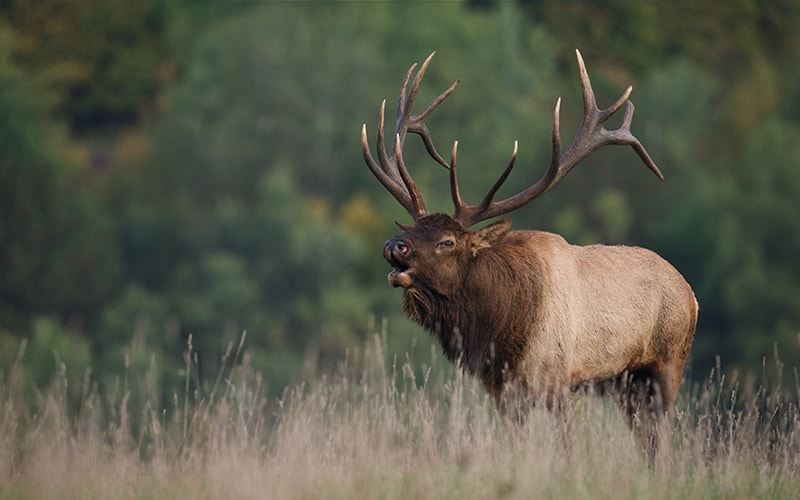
(532, 316)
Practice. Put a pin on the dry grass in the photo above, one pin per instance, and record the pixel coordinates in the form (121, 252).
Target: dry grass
(381, 429)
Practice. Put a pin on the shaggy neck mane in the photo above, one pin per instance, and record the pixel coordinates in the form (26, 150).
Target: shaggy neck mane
(481, 327)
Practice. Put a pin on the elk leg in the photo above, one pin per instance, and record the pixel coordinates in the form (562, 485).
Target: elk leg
(645, 398)
(562, 414)
(514, 404)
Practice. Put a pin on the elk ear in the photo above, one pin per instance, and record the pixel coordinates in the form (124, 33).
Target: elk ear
(403, 227)
(489, 235)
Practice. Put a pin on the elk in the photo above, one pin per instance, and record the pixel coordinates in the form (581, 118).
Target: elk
(532, 316)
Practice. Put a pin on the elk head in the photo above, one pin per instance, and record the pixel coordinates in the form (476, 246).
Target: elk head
(433, 252)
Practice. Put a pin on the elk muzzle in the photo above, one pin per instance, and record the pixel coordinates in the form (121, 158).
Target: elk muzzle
(397, 252)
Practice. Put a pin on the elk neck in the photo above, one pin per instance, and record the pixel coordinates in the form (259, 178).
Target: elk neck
(481, 327)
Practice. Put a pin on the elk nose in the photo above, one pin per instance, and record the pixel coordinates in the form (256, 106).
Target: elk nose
(400, 247)
(395, 248)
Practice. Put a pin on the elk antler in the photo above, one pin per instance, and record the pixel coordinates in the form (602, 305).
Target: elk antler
(391, 170)
(591, 136)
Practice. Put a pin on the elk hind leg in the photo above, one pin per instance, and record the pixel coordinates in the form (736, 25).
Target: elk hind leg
(646, 397)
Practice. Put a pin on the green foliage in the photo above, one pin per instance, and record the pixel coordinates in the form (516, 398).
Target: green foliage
(53, 350)
(753, 267)
(57, 251)
(104, 60)
(725, 219)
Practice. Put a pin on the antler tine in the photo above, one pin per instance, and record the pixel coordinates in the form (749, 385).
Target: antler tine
(467, 214)
(380, 145)
(390, 169)
(416, 123)
(418, 126)
(416, 197)
(458, 203)
(589, 101)
(388, 181)
(591, 136)
(487, 200)
(406, 102)
(625, 136)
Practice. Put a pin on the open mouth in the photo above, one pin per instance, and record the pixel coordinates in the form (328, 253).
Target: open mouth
(401, 277)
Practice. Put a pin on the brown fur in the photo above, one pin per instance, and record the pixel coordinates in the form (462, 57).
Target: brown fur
(535, 317)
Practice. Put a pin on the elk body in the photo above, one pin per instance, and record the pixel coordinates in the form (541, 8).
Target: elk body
(532, 316)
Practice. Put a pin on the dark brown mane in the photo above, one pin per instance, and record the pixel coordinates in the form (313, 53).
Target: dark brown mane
(482, 327)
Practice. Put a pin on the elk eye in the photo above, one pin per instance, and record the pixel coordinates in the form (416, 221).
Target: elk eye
(447, 244)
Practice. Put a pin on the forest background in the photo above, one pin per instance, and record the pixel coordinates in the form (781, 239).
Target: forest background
(177, 169)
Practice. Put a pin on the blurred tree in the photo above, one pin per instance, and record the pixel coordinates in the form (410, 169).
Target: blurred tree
(726, 223)
(746, 45)
(756, 266)
(641, 36)
(105, 61)
(54, 350)
(57, 253)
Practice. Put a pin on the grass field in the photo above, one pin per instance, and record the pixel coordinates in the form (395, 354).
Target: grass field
(384, 429)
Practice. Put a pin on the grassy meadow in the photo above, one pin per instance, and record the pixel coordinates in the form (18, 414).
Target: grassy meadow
(381, 426)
